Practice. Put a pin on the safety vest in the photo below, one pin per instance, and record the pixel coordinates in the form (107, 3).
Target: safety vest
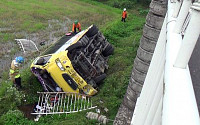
(14, 70)
(124, 14)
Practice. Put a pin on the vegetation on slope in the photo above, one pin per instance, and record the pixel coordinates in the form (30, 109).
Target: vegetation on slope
(32, 16)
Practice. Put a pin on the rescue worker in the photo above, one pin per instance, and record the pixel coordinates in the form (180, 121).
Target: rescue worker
(124, 15)
(77, 25)
(14, 71)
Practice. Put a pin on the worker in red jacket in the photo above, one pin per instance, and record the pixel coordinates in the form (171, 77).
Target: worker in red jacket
(124, 15)
(77, 25)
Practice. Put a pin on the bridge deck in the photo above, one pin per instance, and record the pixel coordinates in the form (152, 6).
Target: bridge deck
(194, 65)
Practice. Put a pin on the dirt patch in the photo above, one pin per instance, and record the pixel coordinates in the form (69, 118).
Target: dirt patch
(27, 110)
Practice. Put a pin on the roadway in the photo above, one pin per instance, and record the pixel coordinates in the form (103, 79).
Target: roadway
(194, 65)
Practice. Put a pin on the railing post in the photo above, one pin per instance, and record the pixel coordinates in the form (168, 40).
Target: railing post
(190, 38)
(177, 8)
(182, 15)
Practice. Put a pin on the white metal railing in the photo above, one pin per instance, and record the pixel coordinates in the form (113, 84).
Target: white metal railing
(149, 105)
(179, 103)
(167, 97)
(26, 45)
(62, 103)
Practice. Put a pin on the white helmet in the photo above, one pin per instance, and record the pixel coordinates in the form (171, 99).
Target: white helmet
(124, 9)
(58, 89)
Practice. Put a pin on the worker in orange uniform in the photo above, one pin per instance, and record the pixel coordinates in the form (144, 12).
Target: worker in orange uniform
(14, 71)
(77, 25)
(124, 15)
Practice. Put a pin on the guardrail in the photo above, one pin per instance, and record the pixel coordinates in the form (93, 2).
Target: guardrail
(167, 96)
(26, 45)
(62, 103)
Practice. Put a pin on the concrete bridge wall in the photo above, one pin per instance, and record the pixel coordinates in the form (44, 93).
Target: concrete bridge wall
(151, 31)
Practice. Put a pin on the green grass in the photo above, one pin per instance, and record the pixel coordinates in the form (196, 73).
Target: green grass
(125, 38)
(33, 15)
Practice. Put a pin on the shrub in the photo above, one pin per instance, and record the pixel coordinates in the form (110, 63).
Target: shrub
(14, 117)
(119, 3)
(143, 11)
(10, 97)
(30, 86)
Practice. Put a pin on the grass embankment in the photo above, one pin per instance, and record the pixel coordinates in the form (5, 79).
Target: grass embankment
(32, 16)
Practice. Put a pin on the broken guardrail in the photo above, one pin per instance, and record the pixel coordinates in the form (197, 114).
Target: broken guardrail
(62, 103)
(27, 45)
